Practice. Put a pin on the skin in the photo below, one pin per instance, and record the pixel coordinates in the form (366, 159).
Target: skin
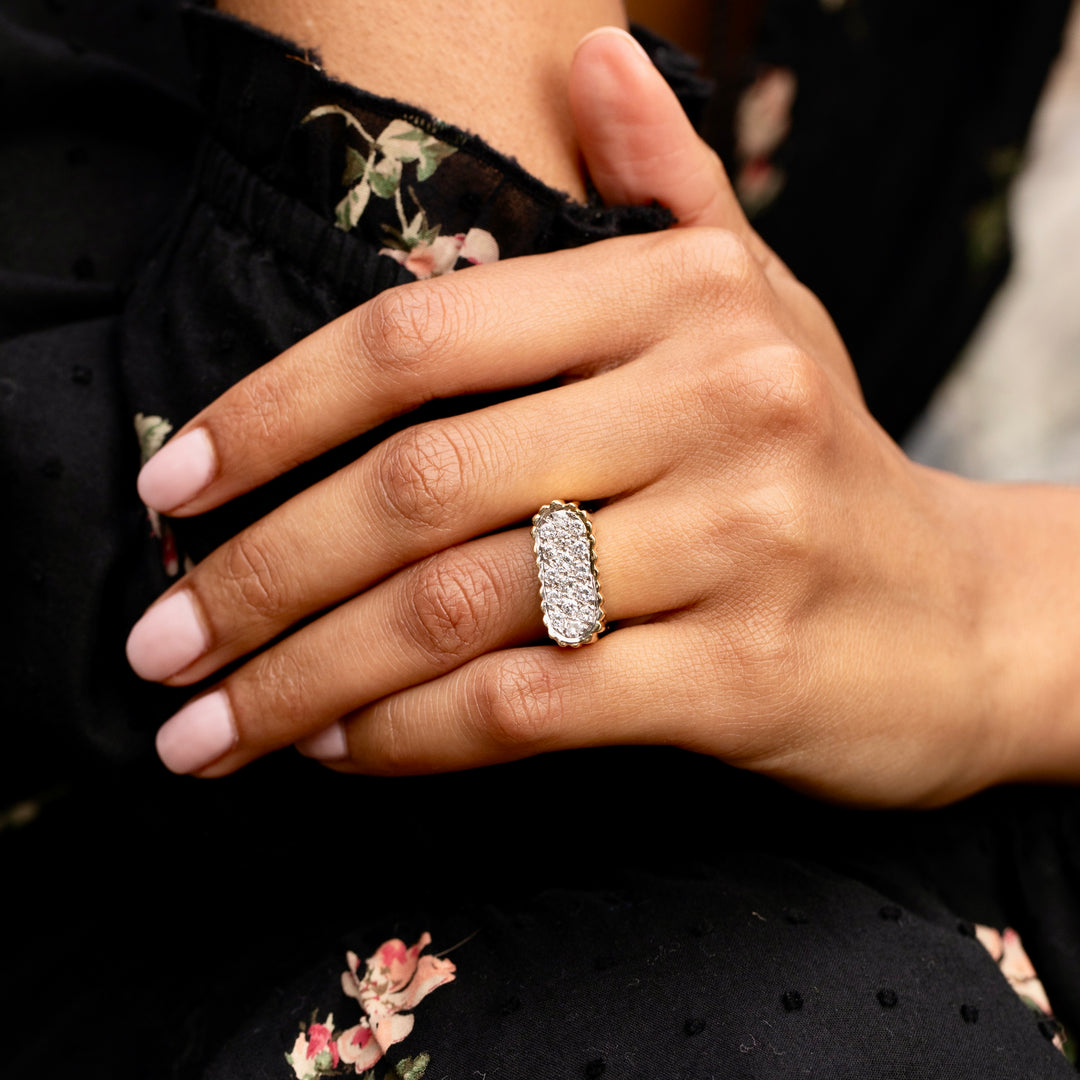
(497, 67)
(796, 596)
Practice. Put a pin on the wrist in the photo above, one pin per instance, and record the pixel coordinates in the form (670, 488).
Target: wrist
(1028, 573)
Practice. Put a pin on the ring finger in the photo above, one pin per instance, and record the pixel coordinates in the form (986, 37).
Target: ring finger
(426, 489)
(426, 620)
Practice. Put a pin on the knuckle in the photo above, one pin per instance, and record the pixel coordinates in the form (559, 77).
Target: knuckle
(763, 540)
(455, 597)
(519, 701)
(420, 473)
(398, 751)
(785, 389)
(708, 275)
(257, 405)
(252, 574)
(718, 256)
(275, 696)
(405, 329)
(801, 389)
(778, 515)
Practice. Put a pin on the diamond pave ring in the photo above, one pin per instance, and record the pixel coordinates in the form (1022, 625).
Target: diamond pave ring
(566, 561)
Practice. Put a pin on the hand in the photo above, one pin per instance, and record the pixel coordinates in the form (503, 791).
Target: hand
(795, 596)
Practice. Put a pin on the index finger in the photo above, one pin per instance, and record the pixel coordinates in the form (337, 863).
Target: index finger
(493, 327)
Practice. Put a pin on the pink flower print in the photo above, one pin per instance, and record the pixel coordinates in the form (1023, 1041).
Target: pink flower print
(395, 980)
(990, 940)
(358, 1047)
(1020, 971)
(762, 123)
(433, 258)
(758, 183)
(319, 1039)
(169, 556)
(1014, 962)
(763, 115)
(1008, 951)
(314, 1053)
(393, 953)
(401, 963)
(427, 259)
(151, 432)
(478, 246)
(391, 1028)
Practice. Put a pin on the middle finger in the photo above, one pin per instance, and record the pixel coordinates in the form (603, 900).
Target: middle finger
(421, 491)
(423, 622)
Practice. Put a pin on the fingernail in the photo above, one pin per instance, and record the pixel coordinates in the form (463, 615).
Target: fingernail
(167, 638)
(326, 745)
(178, 471)
(198, 734)
(627, 38)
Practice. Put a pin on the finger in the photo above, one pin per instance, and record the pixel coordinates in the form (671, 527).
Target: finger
(423, 622)
(506, 324)
(423, 490)
(520, 702)
(639, 146)
(637, 141)
(434, 485)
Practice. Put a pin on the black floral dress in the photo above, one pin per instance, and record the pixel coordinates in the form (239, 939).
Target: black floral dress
(179, 205)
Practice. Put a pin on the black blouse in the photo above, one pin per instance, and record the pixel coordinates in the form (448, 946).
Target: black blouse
(171, 218)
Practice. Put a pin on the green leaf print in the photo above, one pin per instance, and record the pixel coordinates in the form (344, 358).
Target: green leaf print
(411, 1068)
(356, 165)
(350, 209)
(385, 178)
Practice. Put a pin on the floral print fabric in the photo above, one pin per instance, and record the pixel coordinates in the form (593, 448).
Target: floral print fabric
(762, 123)
(152, 431)
(1008, 952)
(379, 170)
(395, 979)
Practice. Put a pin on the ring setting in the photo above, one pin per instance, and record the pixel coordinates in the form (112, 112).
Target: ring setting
(570, 595)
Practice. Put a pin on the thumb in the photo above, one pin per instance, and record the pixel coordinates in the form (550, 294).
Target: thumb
(637, 142)
(639, 145)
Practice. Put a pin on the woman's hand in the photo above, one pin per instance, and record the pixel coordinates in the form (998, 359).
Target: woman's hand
(794, 595)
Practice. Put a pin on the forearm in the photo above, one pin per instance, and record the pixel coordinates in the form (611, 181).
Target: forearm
(495, 67)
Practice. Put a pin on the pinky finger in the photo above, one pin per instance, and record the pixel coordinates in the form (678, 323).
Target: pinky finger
(519, 702)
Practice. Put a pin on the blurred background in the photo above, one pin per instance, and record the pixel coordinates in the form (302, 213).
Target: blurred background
(1010, 410)
(950, 89)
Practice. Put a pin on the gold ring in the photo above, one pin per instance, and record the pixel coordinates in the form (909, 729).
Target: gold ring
(569, 585)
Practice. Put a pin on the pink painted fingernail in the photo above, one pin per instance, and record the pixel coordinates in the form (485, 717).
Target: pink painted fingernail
(198, 734)
(326, 745)
(178, 471)
(619, 34)
(167, 638)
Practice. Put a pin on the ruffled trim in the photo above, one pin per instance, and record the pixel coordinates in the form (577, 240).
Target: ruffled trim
(260, 92)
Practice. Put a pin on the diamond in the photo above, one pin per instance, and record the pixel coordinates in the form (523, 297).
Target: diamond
(569, 588)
